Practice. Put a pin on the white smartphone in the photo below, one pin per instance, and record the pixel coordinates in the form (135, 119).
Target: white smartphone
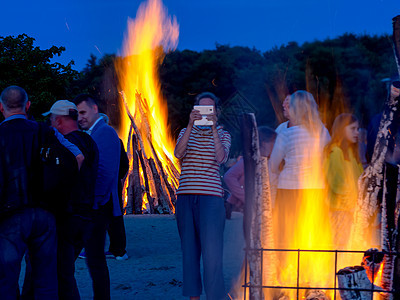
(204, 110)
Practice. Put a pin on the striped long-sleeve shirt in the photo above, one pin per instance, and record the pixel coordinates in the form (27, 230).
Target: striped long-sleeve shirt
(200, 170)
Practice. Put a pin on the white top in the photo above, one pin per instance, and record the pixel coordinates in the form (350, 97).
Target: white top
(281, 127)
(302, 154)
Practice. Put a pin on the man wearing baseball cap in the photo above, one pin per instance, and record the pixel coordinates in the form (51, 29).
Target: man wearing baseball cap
(76, 227)
(61, 108)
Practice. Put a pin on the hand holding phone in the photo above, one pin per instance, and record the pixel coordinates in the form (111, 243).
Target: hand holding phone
(205, 110)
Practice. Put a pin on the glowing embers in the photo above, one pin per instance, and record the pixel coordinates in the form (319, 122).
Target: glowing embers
(154, 171)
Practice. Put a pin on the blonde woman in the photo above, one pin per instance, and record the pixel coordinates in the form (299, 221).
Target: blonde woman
(300, 149)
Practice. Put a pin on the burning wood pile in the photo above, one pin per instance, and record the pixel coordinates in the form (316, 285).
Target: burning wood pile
(154, 171)
(159, 180)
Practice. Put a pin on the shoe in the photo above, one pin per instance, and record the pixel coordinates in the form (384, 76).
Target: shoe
(82, 254)
(123, 257)
(108, 254)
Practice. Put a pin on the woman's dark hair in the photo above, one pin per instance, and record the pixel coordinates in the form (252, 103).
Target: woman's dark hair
(339, 139)
(207, 95)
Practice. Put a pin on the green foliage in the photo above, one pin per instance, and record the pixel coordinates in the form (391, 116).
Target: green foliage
(23, 64)
(99, 79)
(222, 71)
(343, 74)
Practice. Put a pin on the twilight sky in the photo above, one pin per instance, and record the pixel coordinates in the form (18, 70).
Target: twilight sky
(98, 26)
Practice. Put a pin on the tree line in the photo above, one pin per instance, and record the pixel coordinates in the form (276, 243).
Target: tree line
(347, 73)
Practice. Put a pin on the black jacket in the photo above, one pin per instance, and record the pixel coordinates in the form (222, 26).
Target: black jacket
(83, 192)
(19, 163)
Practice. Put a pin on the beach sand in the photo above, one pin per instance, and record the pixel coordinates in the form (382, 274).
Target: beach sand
(154, 267)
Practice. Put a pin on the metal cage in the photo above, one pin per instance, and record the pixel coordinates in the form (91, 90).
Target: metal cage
(247, 285)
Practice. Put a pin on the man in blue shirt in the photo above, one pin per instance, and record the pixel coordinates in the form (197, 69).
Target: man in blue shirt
(106, 203)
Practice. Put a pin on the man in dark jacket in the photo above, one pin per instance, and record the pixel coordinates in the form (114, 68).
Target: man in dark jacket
(75, 225)
(24, 225)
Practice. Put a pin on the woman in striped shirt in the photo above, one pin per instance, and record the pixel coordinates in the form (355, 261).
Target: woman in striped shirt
(200, 208)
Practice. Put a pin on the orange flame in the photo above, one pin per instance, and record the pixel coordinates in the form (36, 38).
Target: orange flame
(314, 227)
(152, 32)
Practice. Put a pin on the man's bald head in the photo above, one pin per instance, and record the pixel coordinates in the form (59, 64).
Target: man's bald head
(14, 97)
(14, 100)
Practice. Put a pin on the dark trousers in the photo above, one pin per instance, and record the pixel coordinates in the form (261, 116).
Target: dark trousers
(201, 222)
(76, 233)
(116, 232)
(33, 230)
(95, 259)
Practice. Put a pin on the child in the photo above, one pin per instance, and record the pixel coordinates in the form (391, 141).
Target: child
(234, 177)
(342, 168)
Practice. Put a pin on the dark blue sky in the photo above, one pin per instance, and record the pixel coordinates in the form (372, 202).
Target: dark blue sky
(98, 26)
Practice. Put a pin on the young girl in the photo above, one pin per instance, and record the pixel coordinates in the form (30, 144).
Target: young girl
(343, 167)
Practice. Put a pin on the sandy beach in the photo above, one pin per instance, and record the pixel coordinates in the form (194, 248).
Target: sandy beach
(154, 267)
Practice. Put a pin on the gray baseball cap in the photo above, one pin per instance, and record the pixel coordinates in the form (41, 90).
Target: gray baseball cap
(61, 108)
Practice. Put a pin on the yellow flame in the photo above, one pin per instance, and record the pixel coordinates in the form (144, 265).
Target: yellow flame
(309, 229)
(313, 226)
(152, 32)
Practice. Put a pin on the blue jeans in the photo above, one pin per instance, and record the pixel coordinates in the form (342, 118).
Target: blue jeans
(201, 222)
(31, 229)
(74, 234)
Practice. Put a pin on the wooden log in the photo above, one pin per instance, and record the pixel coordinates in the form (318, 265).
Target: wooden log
(175, 172)
(396, 262)
(143, 108)
(252, 209)
(270, 263)
(128, 192)
(171, 192)
(396, 271)
(389, 228)
(137, 192)
(370, 182)
(354, 279)
(145, 168)
(129, 143)
(130, 188)
(371, 262)
(315, 295)
(163, 206)
(133, 123)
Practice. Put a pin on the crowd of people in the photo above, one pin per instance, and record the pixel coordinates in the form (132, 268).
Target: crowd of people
(90, 202)
(51, 207)
(308, 162)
